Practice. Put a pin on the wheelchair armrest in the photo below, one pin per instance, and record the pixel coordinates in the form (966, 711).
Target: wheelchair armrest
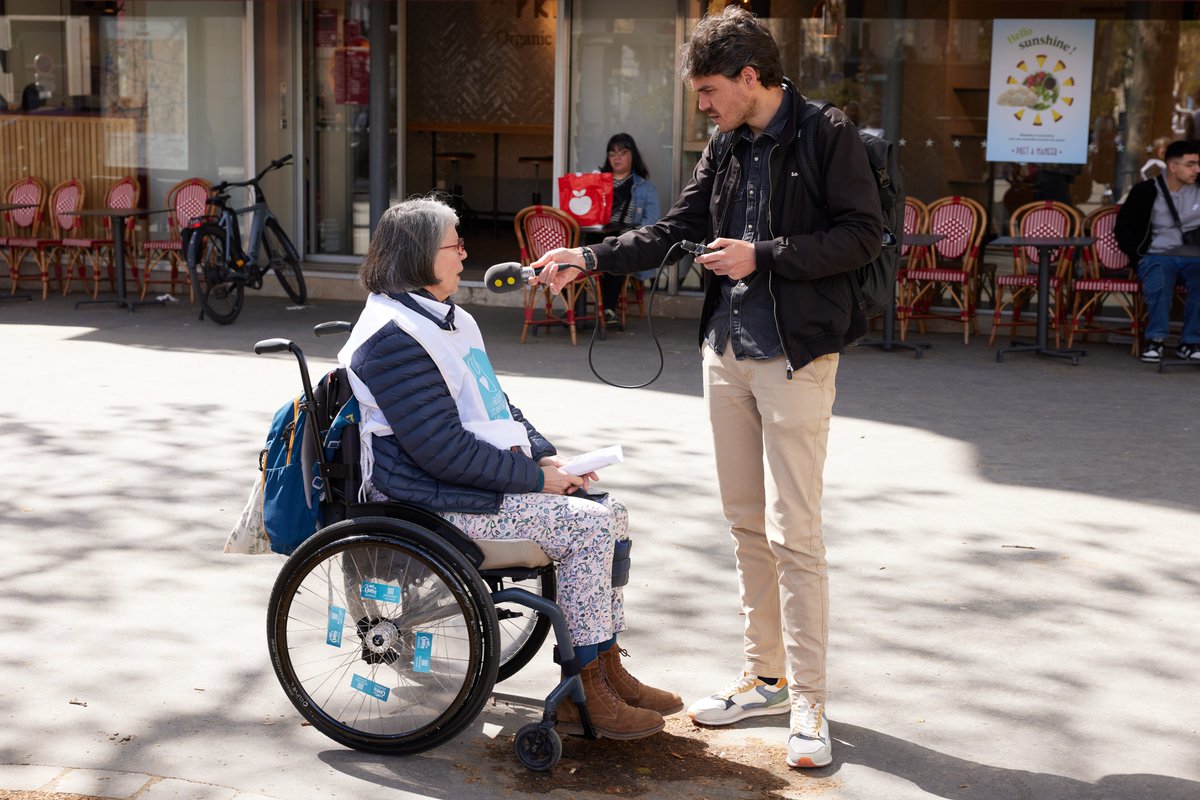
(426, 518)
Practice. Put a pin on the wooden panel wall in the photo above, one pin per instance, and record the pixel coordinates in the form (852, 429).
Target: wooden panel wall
(96, 150)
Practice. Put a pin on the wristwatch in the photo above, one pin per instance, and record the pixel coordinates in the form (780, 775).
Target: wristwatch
(589, 259)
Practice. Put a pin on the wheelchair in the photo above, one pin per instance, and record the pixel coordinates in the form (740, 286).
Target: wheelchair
(389, 627)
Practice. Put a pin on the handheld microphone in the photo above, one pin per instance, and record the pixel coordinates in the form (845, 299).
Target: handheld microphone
(695, 249)
(507, 277)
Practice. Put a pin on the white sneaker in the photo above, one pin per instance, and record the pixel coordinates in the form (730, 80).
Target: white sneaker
(809, 744)
(745, 697)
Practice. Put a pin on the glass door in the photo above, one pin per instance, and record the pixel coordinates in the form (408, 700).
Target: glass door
(336, 80)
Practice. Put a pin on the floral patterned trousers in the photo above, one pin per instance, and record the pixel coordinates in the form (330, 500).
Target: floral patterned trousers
(577, 533)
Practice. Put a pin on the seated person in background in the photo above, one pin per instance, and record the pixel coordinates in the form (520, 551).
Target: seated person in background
(437, 430)
(1146, 229)
(635, 203)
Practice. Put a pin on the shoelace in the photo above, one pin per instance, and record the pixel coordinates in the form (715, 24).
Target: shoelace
(740, 685)
(806, 719)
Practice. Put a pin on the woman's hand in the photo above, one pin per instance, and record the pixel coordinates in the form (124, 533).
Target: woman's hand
(559, 267)
(559, 461)
(559, 482)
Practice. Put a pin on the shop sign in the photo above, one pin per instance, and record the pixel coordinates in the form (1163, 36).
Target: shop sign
(326, 28)
(1039, 99)
(351, 76)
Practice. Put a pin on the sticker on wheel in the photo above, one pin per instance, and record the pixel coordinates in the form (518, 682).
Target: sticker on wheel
(380, 591)
(337, 619)
(423, 652)
(370, 687)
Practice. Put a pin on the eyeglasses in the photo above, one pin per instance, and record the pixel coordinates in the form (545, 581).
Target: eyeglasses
(460, 244)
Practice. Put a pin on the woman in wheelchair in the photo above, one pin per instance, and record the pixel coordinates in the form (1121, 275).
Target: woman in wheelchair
(438, 430)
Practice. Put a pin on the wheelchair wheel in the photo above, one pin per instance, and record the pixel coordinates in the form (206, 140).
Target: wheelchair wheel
(522, 630)
(538, 746)
(383, 636)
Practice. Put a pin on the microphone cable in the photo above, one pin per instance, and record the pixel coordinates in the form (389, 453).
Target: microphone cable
(649, 324)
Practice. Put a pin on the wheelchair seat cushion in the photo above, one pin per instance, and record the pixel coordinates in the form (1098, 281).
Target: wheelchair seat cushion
(507, 553)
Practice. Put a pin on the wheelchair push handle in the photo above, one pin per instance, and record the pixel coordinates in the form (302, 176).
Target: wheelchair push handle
(273, 346)
(328, 328)
(279, 346)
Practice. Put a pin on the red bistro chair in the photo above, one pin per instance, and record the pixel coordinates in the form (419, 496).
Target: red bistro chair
(1047, 218)
(121, 195)
(539, 230)
(916, 217)
(1107, 275)
(23, 225)
(187, 200)
(949, 267)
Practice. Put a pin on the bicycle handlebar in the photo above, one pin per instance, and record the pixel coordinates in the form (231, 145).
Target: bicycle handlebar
(278, 163)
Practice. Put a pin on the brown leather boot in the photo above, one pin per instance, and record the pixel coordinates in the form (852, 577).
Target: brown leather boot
(610, 717)
(633, 691)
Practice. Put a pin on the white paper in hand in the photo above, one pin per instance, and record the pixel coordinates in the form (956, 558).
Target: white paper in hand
(590, 462)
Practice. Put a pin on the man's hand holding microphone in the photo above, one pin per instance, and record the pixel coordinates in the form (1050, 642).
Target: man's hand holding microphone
(732, 258)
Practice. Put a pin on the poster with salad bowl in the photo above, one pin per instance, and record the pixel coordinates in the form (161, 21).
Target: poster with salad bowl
(1040, 91)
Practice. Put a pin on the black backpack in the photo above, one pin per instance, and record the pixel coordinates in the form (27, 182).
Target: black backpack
(875, 279)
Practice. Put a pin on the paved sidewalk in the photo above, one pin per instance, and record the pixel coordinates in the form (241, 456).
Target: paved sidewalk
(1012, 549)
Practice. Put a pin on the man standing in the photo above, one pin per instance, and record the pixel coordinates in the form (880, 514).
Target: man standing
(779, 306)
(1153, 221)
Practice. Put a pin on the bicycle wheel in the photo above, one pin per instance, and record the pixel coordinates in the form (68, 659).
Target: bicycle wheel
(383, 636)
(522, 630)
(282, 259)
(221, 294)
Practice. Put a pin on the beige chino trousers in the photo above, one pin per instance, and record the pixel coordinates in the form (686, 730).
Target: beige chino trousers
(770, 436)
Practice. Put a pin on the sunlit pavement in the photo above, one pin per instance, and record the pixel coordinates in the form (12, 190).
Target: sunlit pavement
(1012, 547)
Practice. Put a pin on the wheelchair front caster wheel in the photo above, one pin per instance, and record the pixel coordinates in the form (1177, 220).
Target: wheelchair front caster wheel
(538, 746)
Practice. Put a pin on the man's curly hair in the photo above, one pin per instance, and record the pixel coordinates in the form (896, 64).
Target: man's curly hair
(725, 43)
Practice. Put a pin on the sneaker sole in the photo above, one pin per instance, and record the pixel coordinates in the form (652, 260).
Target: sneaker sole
(806, 762)
(781, 707)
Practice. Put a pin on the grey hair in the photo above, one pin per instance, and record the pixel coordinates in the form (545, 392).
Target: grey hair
(405, 245)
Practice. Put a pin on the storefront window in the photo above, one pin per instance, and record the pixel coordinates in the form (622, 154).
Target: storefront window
(918, 75)
(623, 80)
(150, 90)
(479, 98)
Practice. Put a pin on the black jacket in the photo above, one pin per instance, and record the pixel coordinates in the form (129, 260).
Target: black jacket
(1133, 228)
(813, 252)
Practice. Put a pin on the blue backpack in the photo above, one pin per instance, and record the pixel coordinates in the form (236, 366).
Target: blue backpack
(293, 487)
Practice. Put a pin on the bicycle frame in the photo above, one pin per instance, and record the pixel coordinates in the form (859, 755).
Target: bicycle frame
(245, 259)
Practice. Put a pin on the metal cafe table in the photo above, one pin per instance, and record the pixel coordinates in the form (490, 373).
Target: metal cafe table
(118, 217)
(913, 241)
(1044, 245)
(14, 295)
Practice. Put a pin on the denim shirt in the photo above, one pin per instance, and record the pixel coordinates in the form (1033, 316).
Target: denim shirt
(745, 312)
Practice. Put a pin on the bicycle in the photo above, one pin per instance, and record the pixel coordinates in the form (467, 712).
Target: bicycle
(221, 269)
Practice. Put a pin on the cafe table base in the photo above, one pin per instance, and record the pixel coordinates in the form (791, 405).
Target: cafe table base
(1048, 352)
(915, 241)
(121, 302)
(1044, 245)
(1164, 364)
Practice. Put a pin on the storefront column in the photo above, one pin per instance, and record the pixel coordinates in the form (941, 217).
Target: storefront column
(377, 142)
